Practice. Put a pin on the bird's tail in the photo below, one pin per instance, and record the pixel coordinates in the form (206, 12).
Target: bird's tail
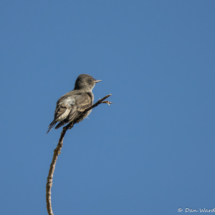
(61, 123)
(51, 126)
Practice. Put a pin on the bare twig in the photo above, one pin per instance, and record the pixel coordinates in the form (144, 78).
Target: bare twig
(57, 151)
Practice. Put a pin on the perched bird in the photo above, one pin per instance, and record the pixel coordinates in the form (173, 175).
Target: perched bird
(70, 106)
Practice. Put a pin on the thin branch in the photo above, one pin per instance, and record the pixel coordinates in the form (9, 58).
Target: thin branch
(57, 151)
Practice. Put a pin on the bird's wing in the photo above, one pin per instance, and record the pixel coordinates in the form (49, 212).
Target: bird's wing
(62, 111)
(82, 102)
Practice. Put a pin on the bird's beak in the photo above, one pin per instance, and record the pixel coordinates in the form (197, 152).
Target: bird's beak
(96, 81)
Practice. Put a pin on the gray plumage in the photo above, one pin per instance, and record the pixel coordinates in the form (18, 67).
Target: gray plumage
(70, 106)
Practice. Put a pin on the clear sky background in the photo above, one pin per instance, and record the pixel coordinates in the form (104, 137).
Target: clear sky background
(149, 153)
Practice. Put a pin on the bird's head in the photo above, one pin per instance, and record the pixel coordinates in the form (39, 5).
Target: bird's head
(85, 82)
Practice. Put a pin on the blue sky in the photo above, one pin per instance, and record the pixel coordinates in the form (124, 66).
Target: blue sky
(149, 153)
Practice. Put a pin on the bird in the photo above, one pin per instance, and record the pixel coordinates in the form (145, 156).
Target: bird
(70, 106)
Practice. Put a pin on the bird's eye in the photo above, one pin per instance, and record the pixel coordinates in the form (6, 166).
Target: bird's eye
(89, 81)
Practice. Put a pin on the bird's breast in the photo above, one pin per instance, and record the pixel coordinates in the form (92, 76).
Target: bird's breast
(85, 115)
